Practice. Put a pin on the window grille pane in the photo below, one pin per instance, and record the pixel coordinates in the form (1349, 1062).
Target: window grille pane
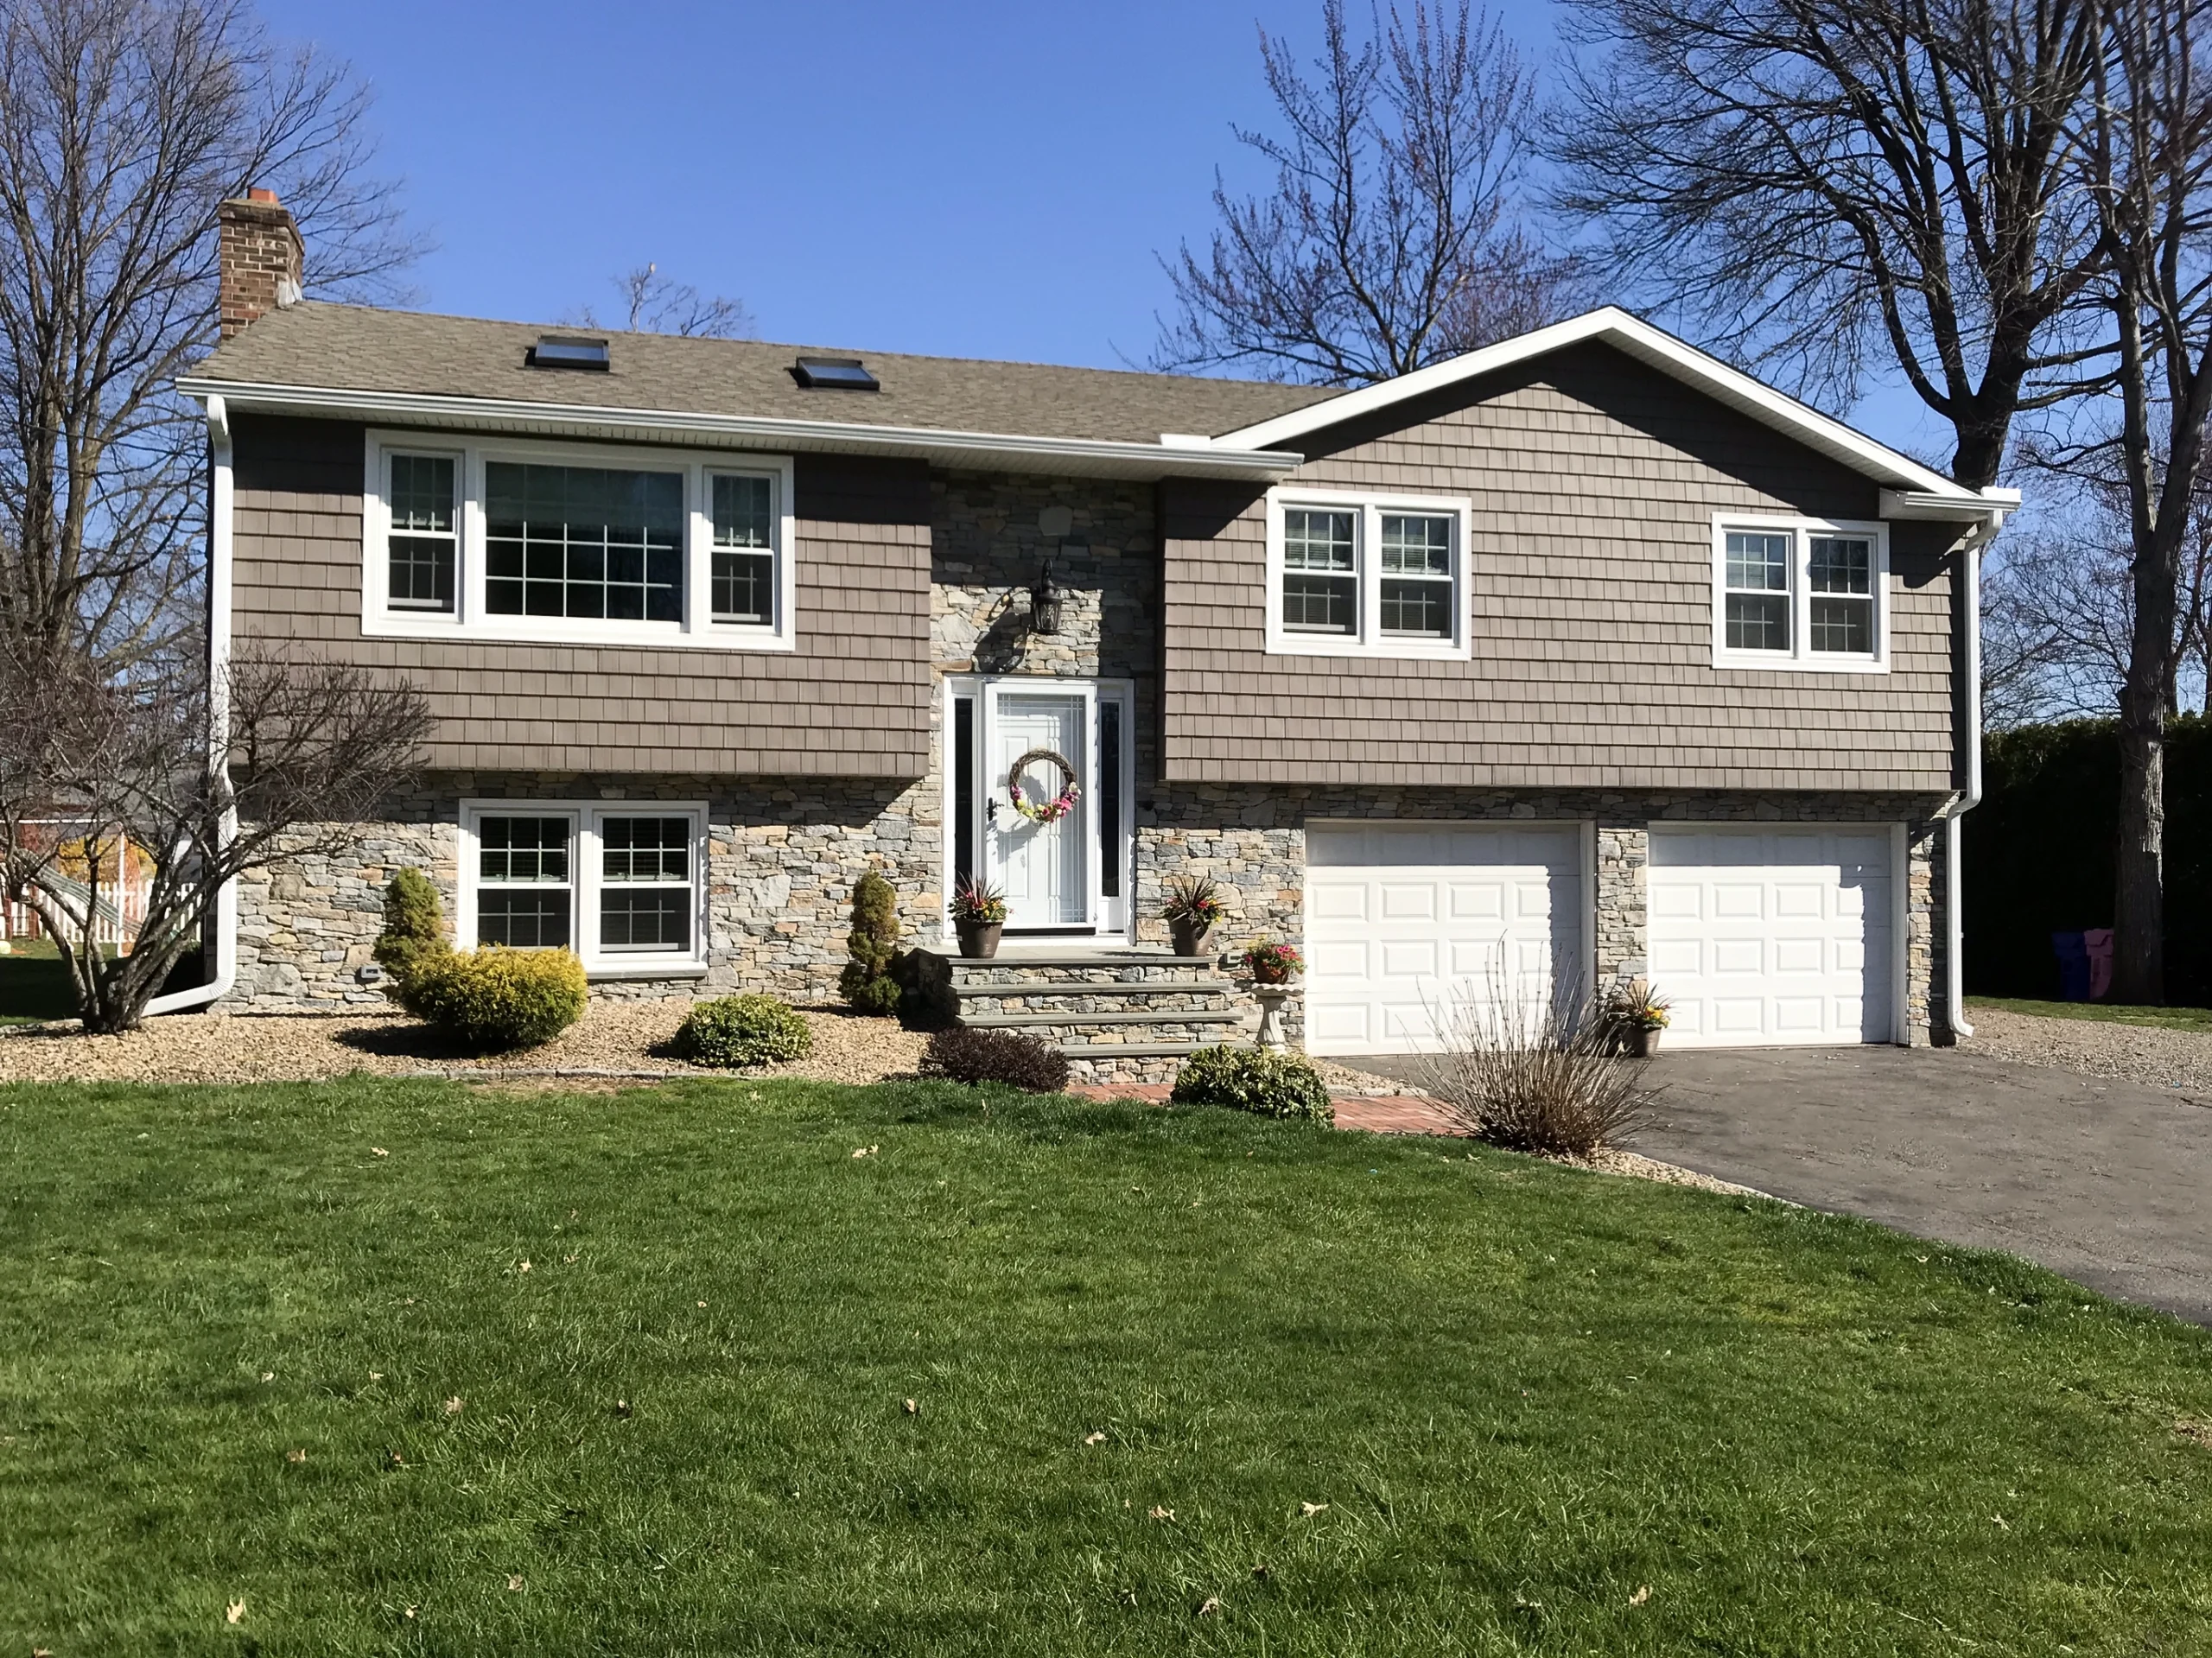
(1842, 564)
(1417, 607)
(1757, 563)
(523, 920)
(741, 512)
(513, 849)
(1317, 541)
(745, 586)
(646, 848)
(648, 917)
(1758, 622)
(1416, 547)
(1320, 604)
(422, 493)
(584, 541)
(1843, 626)
(421, 570)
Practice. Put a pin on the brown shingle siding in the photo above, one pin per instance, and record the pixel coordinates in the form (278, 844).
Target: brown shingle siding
(852, 700)
(1594, 482)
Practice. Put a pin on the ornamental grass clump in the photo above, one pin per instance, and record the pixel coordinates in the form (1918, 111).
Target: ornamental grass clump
(497, 1000)
(738, 1031)
(874, 945)
(1534, 1071)
(965, 1054)
(1266, 1081)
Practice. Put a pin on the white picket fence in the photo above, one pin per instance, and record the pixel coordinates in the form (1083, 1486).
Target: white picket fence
(122, 912)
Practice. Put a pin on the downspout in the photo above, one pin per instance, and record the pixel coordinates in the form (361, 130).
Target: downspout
(218, 709)
(1955, 973)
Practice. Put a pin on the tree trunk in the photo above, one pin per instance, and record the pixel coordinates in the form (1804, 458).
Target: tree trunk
(2139, 971)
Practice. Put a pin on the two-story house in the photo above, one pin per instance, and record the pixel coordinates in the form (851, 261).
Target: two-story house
(1583, 654)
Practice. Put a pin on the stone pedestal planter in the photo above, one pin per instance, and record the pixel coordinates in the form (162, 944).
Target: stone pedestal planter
(1271, 998)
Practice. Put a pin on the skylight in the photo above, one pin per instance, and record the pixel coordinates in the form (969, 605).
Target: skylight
(839, 373)
(569, 351)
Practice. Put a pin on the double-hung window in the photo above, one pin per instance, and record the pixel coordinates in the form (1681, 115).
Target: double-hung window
(1352, 575)
(620, 884)
(544, 542)
(1800, 592)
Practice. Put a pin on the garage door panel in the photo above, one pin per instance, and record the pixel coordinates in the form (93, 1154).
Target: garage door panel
(1448, 905)
(1771, 935)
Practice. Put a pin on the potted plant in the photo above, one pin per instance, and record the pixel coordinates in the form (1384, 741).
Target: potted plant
(1636, 1013)
(1272, 964)
(979, 916)
(1192, 909)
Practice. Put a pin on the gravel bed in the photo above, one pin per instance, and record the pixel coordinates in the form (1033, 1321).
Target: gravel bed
(620, 1039)
(1343, 1079)
(2180, 1060)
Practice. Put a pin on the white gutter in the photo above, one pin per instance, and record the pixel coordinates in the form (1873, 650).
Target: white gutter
(219, 708)
(1013, 451)
(1955, 972)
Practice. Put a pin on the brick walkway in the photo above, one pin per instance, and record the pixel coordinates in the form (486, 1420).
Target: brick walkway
(1376, 1114)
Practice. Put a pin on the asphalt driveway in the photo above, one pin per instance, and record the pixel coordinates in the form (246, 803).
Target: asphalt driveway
(2106, 1182)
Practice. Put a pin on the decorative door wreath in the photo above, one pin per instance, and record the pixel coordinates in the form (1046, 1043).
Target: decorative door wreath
(1044, 811)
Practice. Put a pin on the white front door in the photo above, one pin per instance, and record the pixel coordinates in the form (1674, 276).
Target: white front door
(1767, 936)
(1043, 868)
(1403, 919)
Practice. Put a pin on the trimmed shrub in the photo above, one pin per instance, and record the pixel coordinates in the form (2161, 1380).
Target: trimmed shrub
(496, 999)
(1263, 1079)
(965, 1055)
(414, 927)
(743, 1031)
(874, 942)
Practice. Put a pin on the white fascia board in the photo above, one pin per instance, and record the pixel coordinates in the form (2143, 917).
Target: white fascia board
(1013, 451)
(1610, 325)
(1920, 503)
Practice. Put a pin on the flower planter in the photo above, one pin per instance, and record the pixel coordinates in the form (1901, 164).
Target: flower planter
(979, 940)
(1190, 936)
(1643, 1042)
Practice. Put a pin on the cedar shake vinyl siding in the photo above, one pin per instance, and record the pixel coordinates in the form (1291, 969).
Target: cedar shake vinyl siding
(1594, 480)
(852, 701)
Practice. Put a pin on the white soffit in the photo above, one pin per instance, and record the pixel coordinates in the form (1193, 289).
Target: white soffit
(1933, 495)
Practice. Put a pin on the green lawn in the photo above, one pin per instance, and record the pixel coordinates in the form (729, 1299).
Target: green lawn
(2166, 1019)
(405, 1368)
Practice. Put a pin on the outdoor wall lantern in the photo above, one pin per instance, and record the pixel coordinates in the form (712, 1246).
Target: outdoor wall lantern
(1044, 601)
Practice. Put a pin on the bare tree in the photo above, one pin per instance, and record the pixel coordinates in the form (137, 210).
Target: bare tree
(1831, 186)
(2146, 143)
(123, 122)
(1391, 239)
(658, 304)
(316, 747)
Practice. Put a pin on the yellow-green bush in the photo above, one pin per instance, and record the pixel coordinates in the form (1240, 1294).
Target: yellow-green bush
(743, 1031)
(496, 998)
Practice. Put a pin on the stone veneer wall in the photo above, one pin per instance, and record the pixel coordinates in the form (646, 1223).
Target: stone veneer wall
(1251, 839)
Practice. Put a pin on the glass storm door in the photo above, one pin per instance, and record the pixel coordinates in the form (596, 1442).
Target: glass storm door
(1044, 869)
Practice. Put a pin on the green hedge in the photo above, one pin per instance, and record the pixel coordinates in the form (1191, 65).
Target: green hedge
(495, 1000)
(2038, 854)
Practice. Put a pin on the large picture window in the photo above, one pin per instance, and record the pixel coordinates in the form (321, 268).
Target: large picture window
(623, 886)
(1800, 592)
(551, 542)
(584, 541)
(1351, 574)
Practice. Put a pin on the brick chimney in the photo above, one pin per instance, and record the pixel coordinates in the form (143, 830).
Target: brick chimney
(262, 258)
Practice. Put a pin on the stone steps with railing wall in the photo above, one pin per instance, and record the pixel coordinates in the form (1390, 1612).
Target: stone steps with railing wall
(1117, 1013)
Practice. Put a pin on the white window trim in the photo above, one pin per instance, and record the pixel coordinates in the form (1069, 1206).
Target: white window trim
(1371, 640)
(469, 621)
(585, 817)
(1800, 658)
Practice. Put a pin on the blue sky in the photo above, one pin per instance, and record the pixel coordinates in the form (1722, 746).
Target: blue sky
(973, 180)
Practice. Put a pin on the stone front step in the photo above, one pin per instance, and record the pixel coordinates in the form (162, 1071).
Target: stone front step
(1089, 1018)
(1114, 1011)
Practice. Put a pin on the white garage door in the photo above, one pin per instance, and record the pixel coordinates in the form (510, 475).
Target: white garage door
(1762, 936)
(1399, 916)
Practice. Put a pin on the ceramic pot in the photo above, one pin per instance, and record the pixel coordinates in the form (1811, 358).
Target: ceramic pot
(1643, 1042)
(1190, 935)
(979, 940)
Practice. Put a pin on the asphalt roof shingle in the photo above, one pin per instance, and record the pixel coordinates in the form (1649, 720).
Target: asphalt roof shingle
(358, 349)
